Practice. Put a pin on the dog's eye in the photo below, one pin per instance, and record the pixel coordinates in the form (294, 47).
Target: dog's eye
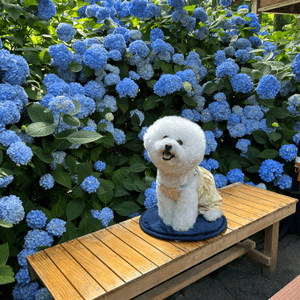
(180, 142)
(165, 136)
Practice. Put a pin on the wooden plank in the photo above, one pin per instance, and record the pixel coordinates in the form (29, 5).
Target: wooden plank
(142, 247)
(260, 257)
(165, 246)
(273, 4)
(131, 256)
(117, 264)
(87, 287)
(188, 277)
(257, 202)
(267, 195)
(53, 279)
(271, 248)
(233, 217)
(93, 265)
(290, 292)
(239, 212)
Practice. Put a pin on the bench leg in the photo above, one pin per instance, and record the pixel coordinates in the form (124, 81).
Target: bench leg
(271, 248)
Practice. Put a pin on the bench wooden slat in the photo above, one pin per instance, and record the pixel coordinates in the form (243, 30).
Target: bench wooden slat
(268, 195)
(93, 265)
(116, 263)
(144, 248)
(239, 203)
(165, 246)
(239, 212)
(255, 201)
(57, 284)
(131, 256)
(84, 283)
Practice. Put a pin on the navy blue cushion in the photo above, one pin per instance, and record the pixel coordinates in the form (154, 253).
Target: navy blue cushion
(151, 223)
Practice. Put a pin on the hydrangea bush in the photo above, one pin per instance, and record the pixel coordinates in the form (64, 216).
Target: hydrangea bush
(78, 93)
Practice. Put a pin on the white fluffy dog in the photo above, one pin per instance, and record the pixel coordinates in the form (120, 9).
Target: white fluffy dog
(176, 146)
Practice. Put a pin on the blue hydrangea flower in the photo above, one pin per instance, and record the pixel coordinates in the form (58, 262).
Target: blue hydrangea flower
(25, 291)
(151, 198)
(220, 97)
(22, 276)
(288, 152)
(285, 182)
(11, 209)
(177, 4)
(160, 46)
(211, 143)
(43, 294)
(90, 184)
(5, 180)
(242, 43)
(227, 68)
(225, 3)
(127, 87)
(200, 13)
(20, 153)
(92, 10)
(178, 59)
(119, 136)
(187, 75)
(241, 83)
(243, 145)
(93, 89)
(136, 34)
(220, 57)
(115, 42)
(206, 116)
(36, 219)
(237, 130)
(95, 57)
(137, 7)
(61, 104)
(268, 87)
(220, 180)
(219, 110)
(102, 14)
(9, 113)
(142, 133)
(156, 33)
(65, 32)
(47, 181)
(79, 47)
(201, 33)
(56, 227)
(99, 165)
(37, 238)
(238, 21)
(105, 215)
(167, 84)
(270, 169)
(112, 79)
(134, 76)
(209, 164)
(22, 256)
(139, 47)
(46, 10)
(242, 55)
(8, 137)
(108, 102)
(115, 55)
(151, 11)
(61, 56)
(235, 175)
(255, 41)
(82, 11)
(229, 51)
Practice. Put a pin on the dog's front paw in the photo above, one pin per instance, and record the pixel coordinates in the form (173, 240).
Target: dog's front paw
(213, 215)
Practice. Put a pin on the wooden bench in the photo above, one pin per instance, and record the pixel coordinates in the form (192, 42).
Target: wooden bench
(290, 292)
(122, 262)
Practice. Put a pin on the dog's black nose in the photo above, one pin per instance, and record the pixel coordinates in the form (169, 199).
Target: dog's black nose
(168, 147)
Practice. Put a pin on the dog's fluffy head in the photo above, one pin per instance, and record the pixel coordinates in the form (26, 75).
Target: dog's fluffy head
(175, 143)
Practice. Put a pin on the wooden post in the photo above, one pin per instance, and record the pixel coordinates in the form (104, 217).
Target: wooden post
(271, 248)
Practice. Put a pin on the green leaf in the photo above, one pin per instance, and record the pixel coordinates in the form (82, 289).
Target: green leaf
(31, 19)
(137, 168)
(5, 224)
(87, 71)
(274, 136)
(120, 160)
(15, 40)
(108, 186)
(189, 101)
(260, 136)
(6, 274)
(29, 2)
(83, 137)
(77, 106)
(88, 225)
(151, 83)
(253, 169)
(279, 113)
(71, 120)
(37, 113)
(84, 170)
(252, 154)
(71, 232)
(39, 129)
(166, 68)
(120, 191)
(62, 177)
(75, 66)
(61, 142)
(123, 104)
(210, 88)
(4, 253)
(269, 153)
(151, 102)
(1, 156)
(74, 209)
(14, 10)
(234, 165)
(70, 162)
(127, 208)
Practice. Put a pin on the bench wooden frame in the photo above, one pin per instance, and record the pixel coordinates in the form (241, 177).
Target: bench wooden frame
(123, 262)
